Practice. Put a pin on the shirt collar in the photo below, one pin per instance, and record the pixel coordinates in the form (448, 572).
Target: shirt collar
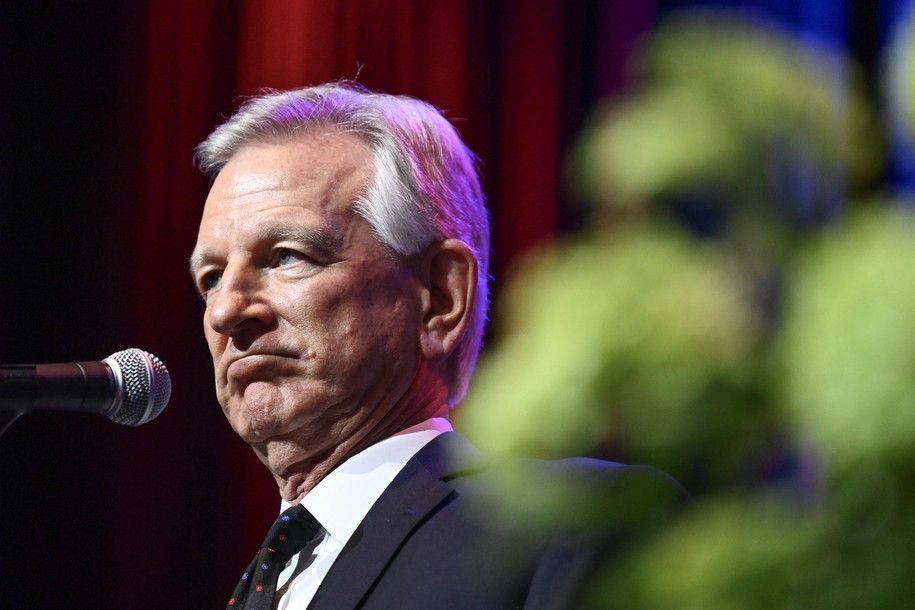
(341, 499)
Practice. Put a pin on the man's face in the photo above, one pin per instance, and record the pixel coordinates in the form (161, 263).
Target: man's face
(312, 324)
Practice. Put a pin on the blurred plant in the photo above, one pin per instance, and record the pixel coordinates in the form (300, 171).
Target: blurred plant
(751, 553)
(728, 103)
(847, 345)
(648, 332)
(794, 424)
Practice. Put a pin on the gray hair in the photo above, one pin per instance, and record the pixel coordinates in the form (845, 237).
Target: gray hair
(425, 185)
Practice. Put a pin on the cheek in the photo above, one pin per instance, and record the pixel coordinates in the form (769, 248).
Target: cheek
(385, 329)
(344, 318)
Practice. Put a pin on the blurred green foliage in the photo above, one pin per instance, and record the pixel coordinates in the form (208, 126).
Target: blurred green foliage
(792, 423)
(728, 103)
(847, 344)
(648, 332)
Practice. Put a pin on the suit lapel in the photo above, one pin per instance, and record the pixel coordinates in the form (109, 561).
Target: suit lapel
(416, 491)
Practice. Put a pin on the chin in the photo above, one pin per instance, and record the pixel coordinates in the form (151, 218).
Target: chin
(253, 426)
(249, 432)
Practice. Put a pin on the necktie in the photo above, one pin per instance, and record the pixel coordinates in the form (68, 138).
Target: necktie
(288, 535)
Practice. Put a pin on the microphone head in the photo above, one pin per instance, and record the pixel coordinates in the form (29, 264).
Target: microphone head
(144, 384)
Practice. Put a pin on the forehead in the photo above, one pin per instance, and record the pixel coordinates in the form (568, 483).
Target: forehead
(316, 168)
(316, 175)
(310, 182)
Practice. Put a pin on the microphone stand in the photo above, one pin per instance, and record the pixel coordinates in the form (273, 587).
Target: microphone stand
(19, 390)
(8, 416)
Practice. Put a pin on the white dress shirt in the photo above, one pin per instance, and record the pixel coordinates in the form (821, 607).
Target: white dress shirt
(340, 502)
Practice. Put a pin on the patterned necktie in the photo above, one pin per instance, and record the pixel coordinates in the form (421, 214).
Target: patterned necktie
(289, 535)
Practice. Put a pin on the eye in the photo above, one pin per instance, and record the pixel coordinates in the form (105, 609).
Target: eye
(288, 256)
(210, 281)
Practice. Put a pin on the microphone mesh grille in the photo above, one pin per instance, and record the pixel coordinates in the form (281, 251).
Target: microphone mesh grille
(147, 387)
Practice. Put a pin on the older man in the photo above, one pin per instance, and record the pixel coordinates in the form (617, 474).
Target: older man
(343, 258)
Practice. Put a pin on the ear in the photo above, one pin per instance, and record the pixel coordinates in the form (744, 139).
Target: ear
(450, 278)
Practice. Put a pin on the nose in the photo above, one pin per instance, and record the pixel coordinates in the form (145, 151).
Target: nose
(240, 305)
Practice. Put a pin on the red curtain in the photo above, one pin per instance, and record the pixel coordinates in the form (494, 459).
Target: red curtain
(101, 205)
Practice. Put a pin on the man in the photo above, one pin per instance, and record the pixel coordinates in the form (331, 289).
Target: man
(343, 258)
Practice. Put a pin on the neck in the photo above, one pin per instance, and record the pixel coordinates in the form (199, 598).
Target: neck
(297, 470)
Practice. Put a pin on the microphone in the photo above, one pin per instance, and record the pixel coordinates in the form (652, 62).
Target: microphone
(130, 387)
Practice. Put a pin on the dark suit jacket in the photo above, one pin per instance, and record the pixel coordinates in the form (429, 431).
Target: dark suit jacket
(436, 539)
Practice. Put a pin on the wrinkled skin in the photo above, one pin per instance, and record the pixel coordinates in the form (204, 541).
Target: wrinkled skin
(323, 342)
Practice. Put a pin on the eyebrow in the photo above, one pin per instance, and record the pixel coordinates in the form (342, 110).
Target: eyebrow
(323, 243)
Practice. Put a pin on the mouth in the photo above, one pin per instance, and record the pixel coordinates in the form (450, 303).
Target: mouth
(252, 367)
